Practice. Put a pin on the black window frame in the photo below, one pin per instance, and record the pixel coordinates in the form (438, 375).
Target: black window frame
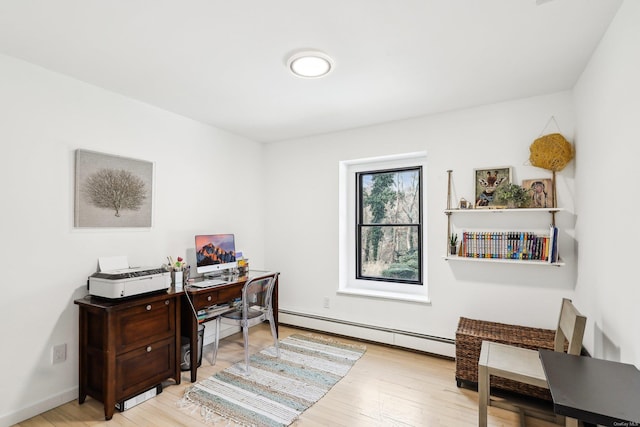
(360, 224)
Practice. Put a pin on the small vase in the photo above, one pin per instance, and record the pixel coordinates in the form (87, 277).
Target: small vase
(452, 249)
(176, 278)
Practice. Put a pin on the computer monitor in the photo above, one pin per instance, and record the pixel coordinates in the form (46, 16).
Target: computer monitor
(215, 253)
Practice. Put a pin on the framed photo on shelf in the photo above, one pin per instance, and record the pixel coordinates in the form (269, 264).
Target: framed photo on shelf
(541, 192)
(486, 181)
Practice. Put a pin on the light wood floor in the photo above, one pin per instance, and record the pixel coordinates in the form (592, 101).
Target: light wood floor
(386, 387)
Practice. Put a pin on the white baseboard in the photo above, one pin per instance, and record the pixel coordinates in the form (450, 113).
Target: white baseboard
(37, 408)
(427, 343)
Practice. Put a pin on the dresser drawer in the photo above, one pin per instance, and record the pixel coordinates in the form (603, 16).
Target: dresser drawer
(144, 367)
(144, 323)
(205, 299)
(217, 296)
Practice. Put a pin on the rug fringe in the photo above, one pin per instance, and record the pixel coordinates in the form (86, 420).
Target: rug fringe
(209, 416)
(331, 340)
(188, 405)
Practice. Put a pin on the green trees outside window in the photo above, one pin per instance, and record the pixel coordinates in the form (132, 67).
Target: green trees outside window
(389, 225)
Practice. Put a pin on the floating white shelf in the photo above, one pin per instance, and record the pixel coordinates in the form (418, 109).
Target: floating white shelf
(504, 261)
(496, 211)
(500, 210)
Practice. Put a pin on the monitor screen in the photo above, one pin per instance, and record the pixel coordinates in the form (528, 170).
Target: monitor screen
(215, 252)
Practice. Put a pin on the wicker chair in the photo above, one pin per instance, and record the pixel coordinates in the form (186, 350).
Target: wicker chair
(469, 337)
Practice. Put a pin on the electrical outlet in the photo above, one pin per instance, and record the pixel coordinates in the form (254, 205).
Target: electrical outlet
(326, 302)
(59, 353)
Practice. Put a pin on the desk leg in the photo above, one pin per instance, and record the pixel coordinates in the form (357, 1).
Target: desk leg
(483, 385)
(177, 375)
(194, 350)
(570, 422)
(189, 328)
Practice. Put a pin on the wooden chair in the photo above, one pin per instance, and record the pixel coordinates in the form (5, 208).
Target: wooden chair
(523, 365)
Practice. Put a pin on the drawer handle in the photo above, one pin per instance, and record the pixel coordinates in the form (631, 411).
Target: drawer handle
(149, 307)
(166, 302)
(149, 349)
(209, 298)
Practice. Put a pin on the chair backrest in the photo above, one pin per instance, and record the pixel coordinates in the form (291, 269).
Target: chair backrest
(571, 326)
(258, 291)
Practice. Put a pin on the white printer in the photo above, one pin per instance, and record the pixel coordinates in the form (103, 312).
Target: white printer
(117, 280)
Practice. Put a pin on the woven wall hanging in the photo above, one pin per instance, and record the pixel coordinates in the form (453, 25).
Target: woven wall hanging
(552, 152)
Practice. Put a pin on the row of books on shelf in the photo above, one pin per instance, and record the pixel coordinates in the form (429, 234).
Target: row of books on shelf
(521, 245)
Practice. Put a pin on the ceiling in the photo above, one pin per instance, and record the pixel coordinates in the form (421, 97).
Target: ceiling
(223, 62)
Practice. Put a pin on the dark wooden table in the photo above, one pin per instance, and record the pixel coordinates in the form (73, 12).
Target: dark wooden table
(593, 390)
(196, 299)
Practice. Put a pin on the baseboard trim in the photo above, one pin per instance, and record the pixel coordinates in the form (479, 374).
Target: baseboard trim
(38, 408)
(411, 340)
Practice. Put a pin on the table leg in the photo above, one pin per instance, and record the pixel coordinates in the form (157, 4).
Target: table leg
(193, 344)
(570, 422)
(483, 385)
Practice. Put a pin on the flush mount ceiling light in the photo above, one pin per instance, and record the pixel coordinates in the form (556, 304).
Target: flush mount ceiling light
(310, 64)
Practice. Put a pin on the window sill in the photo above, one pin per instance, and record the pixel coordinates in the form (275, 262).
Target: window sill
(395, 296)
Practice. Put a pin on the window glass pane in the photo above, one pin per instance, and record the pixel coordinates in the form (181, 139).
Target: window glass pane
(391, 197)
(390, 252)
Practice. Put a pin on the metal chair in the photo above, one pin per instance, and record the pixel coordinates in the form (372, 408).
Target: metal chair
(255, 308)
(523, 365)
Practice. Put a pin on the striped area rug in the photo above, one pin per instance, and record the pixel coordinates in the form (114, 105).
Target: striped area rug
(277, 390)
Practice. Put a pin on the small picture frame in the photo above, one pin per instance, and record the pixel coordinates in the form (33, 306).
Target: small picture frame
(486, 181)
(541, 192)
(464, 204)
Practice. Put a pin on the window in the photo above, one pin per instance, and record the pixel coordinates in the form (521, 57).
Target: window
(389, 225)
(382, 234)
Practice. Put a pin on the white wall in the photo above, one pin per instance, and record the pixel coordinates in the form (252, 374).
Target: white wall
(303, 219)
(45, 117)
(607, 104)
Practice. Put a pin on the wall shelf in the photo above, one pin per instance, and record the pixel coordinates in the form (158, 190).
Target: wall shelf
(501, 210)
(560, 263)
(496, 240)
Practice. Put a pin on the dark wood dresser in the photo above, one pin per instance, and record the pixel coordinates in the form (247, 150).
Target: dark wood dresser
(127, 346)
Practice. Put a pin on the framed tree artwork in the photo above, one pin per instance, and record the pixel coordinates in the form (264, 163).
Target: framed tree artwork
(112, 191)
(541, 190)
(486, 181)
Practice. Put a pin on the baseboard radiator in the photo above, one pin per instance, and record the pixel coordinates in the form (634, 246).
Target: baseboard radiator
(395, 337)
